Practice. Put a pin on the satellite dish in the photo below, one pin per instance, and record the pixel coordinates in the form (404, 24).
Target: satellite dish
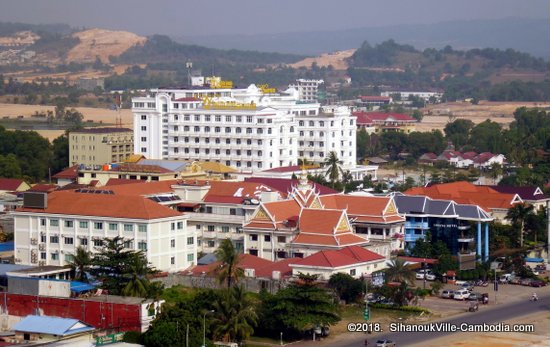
(254, 202)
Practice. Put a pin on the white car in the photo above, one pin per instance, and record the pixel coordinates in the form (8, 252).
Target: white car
(430, 276)
(419, 275)
(461, 294)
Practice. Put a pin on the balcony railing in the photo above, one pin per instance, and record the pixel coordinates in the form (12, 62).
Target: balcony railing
(413, 238)
(417, 225)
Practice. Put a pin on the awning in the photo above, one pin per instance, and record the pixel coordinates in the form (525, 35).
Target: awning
(79, 287)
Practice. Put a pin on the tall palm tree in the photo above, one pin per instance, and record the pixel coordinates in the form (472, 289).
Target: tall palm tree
(397, 271)
(333, 164)
(80, 263)
(229, 270)
(235, 316)
(517, 215)
(137, 284)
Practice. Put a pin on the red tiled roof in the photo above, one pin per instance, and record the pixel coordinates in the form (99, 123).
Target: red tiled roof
(235, 192)
(140, 188)
(246, 261)
(68, 173)
(119, 181)
(283, 210)
(338, 258)
(283, 266)
(525, 193)
(466, 193)
(329, 240)
(374, 98)
(370, 117)
(286, 185)
(10, 184)
(320, 221)
(103, 205)
(45, 188)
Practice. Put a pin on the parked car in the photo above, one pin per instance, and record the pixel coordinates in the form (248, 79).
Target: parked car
(420, 274)
(505, 278)
(467, 285)
(540, 267)
(447, 294)
(474, 297)
(515, 280)
(430, 276)
(372, 298)
(537, 283)
(385, 343)
(461, 294)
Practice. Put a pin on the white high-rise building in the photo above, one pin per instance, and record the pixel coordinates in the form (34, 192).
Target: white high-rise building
(252, 129)
(308, 89)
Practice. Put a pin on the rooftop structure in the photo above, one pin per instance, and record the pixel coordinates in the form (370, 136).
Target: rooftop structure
(379, 122)
(54, 326)
(8, 185)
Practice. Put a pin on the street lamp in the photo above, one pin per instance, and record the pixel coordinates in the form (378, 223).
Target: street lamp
(281, 338)
(204, 327)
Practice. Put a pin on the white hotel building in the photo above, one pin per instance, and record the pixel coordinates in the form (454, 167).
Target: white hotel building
(248, 129)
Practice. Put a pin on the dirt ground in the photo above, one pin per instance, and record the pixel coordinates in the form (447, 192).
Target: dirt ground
(95, 114)
(336, 59)
(438, 115)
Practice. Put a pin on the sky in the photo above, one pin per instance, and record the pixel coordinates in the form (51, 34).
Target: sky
(215, 17)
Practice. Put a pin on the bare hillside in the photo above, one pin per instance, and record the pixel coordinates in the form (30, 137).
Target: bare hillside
(102, 43)
(336, 59)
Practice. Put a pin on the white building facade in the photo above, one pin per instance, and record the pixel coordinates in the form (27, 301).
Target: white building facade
(248, 129)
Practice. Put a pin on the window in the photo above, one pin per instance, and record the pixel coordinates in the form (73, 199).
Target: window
(43, 238)
(55, 256)
(54, 239)
(143, 149)
(225, 229)
(301, 123)
(143, 117)
(239, 119)
(190, 240)
(281, 239)
(197, 118)
(207, 118)
(186, 117)
(253, 237)
(69, 241)
(98, 225)
(144, 139)
(190, 257)
(42, 222)
(249, 119)
(228, 118)
(69, 224)
(173, 260)
(113, 226)
(218, 118)
(211, 228)
(352, 272)
(180, 225)
(98, 243)
(84, 242)
(43, 255)
(211, 244)
(267, 238)
(128, 227)
(54, 222)
(233, 211)
(142, 246)
(198, 227)
(209, 208)
(173, 243)
(172, 226)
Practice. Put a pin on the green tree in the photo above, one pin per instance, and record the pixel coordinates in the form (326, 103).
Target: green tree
(421, 249)
(517, 214)
(495, 171)
(60, 158)
(229, 271)
(418, 115)
(458, 131)
(397, 271)
(122, 271)
(9, 166)
(362, 141)
(334, 167)
(303, 305)
(235, 315)
(347, 287)
(80, 263)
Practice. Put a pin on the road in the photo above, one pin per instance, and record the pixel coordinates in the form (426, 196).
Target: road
(493, 314)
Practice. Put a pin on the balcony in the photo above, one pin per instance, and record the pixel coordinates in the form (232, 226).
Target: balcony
(211, 217)
(417, 225)
(413, 237)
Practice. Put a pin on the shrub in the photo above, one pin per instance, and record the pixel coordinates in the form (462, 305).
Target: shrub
(400, 308)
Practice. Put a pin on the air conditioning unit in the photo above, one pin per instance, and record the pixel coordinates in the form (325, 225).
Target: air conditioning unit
(42, 263)
(34, 241)
(249, 273)
(42, 246)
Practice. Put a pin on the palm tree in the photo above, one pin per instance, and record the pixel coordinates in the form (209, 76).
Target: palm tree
(235, 315)
(334, 169)
(137, 283)
(495, 171)
(80, 263)
(517, 215)
(229, 270)
(397, 271)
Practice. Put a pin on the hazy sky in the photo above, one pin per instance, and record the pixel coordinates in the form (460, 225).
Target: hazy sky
(205, 17)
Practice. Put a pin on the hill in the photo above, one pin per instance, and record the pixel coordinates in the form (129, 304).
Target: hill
(461, 34)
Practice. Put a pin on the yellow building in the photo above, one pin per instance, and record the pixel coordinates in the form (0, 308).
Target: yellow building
(98, 146)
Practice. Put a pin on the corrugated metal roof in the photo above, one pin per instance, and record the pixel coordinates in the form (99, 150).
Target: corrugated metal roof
(52, 325)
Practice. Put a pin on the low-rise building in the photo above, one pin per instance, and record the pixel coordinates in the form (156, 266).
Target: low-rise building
(49, 231)
(13, 185)
(99, 146)
(380, 122)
